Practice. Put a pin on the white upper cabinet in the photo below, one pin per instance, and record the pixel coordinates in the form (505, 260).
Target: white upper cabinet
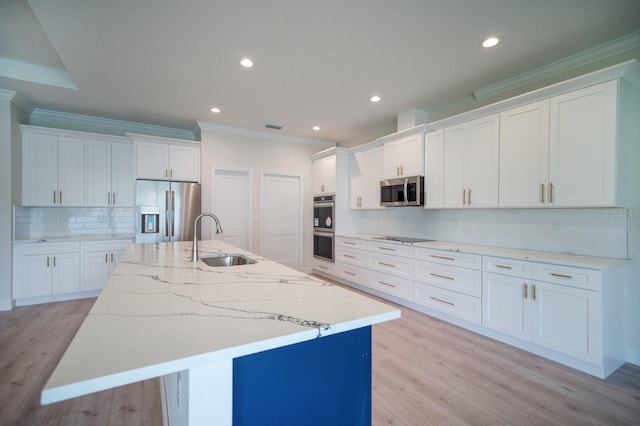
(582, 147)
(434, 169)
(168, 159)
(404, 155)
(561, 152)
(471, 152)
(52, 169)
(365, 174)
(524, 152)
(110, 180)
(324, 175)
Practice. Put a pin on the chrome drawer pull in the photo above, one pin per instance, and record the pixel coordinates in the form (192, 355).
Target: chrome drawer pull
(442, 276)
(349, 273)
(349, 256)
(526, 292)
(349, 242)
(387, 264)
(561, 276)
(387, 284)
(503, 267)
(387, 248)
(442, 257)
(533, 292)
(441, 301)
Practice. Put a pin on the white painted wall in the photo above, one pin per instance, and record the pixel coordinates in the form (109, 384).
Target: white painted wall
(250, 151)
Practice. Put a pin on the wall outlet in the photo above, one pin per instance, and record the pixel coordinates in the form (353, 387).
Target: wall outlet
(557, 227)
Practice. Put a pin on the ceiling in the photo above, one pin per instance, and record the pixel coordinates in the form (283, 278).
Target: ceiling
(317, 63)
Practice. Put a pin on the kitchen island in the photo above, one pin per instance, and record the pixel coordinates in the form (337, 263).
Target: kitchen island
(229, 342)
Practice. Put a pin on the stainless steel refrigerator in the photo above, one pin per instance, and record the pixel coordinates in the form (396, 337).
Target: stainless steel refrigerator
(165, 210)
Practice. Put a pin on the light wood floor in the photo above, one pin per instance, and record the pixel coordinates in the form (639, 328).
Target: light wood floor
(425, 372)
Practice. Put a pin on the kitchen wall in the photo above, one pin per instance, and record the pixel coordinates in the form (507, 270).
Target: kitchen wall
(226, 147)
(594, 232)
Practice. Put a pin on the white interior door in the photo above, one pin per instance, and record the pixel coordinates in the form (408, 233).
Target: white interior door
(281, 219)
(232, 204)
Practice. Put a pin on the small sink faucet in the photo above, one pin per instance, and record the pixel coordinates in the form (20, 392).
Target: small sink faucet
(194, 251)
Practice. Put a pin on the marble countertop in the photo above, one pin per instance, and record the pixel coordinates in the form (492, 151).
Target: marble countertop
(575, 260)
(63, 239)
(160, 313)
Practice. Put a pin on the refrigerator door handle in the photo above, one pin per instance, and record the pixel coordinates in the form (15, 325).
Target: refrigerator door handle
(173, 209)
(166, 213)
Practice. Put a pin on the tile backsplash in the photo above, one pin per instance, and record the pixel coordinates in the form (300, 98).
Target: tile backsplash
(54, 222)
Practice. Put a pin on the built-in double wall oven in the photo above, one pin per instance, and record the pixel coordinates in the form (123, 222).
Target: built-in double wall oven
(323, 227)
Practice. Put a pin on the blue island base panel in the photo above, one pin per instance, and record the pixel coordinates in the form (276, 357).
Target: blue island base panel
(323, 382)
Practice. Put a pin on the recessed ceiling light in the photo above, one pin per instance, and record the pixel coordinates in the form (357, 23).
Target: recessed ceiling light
(491, 41)
(215, 110)
(316, 128)
(246, 62)
(375, 98)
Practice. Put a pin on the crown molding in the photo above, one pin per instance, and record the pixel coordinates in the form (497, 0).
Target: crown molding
(262, 135)
(603, 51)
(56, 119)
(136, 137)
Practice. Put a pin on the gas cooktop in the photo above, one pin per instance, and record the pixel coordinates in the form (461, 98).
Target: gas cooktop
(404, 239)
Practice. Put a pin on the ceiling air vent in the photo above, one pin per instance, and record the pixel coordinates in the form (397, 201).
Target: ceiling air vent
(273, 126)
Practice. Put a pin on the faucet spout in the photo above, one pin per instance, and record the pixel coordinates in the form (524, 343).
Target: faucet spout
(194, 250)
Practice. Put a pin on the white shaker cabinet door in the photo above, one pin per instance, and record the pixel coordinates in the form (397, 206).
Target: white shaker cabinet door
(455, 188)
(98, 173)
(65, 273)
(71, 178)
(96, 270)
(122, 181)
(35, 273)
(524, 156)
(568, 320)
(40, 169)
(582, 155)
(184, 163)
(152, 160)
(434, 169)
(506, 305)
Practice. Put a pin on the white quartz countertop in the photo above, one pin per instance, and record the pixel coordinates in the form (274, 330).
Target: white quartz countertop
(71, 238)
(575, 260)
(160, 313)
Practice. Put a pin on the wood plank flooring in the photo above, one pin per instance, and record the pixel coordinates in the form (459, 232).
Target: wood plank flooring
(425, 372)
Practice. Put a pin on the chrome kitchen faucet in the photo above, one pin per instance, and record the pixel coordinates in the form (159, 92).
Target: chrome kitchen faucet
(194, 251)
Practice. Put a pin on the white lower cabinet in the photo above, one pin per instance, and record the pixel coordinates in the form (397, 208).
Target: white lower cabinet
(563, 313)
(99, 260)
(391, 284)
(449, 302)
(569, 314)
(46, 269)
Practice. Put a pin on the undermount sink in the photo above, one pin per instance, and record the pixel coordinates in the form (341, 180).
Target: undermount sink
(227, 259)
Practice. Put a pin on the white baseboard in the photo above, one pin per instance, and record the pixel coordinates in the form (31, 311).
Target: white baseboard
(633, 356)
(6, 304)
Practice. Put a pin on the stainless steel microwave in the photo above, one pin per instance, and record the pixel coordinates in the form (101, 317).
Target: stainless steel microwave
(407, 191)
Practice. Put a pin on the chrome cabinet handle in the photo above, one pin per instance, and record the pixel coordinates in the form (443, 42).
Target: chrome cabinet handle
(349, 273)
(111, 257)
(464, 197)
(442, 257)
(47, 261)
(54, 200)
(469, 198)
(525, 291)
(387, 284)
(54, 261)
(561, 275)
(550, 192)
(113, 198)
(387, 264)
(349, 256)
(542, 193)
(387, 248)
(106, 258)
(533, 292)
(503, 267)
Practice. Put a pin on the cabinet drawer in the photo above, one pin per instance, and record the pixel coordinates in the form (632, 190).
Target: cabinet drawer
(512, 267)
(394, 265)
(390, 248)
(323, 267)
(390, 284)
(463, 280)
(351, 243)
(356, 257)
(462, 306)
(465, 260)
(105, 245)
(50, 248)
(567, 275)
(352, 273)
